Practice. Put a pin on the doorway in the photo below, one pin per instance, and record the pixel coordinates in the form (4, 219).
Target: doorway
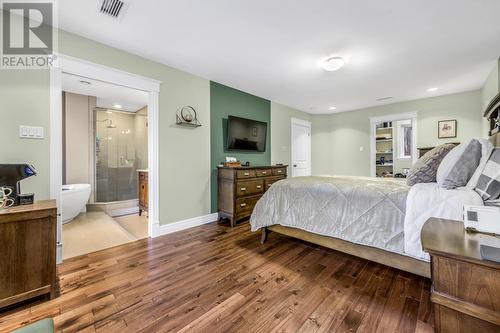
(301, 147)
(91, 71)
(393, 145)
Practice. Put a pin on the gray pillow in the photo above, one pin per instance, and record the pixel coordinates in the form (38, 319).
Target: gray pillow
(488, 185)
(463, 169)
(425, 169)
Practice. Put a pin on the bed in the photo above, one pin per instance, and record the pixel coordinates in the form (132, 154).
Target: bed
(378, 219)
(374, 218)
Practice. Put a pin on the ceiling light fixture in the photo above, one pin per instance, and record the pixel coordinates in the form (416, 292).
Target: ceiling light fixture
(117, 106)
(332, 108)
(432, 89)
(333, 64)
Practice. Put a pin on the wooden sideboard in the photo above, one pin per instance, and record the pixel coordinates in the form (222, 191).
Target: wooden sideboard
(240, 188)
(465, 288)
(143, 191)
(27, 252)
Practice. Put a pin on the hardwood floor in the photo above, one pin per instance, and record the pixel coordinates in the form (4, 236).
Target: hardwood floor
(217, 279)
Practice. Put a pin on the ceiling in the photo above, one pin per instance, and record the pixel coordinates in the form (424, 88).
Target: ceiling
(396, 48)
(108, 95)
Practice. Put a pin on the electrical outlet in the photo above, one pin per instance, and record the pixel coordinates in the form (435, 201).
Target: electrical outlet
(31, 132)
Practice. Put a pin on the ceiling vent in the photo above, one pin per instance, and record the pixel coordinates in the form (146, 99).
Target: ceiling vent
(383, 98)
(112, 8)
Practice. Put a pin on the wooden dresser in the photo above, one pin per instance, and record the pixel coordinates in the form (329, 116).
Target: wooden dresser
(27, 252)
(143, 190)
(240, 188)
(465, 288)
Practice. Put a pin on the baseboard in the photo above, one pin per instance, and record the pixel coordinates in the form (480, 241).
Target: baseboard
(188, 223)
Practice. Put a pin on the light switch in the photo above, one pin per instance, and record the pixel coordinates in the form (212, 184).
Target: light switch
(31, 132)
(361, 148)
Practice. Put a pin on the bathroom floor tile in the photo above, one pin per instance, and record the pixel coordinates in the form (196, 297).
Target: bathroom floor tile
(93, 231)
(134, 224)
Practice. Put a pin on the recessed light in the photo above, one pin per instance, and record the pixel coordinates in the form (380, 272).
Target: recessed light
(87, 83)
(333, 64)
(117, 106)
(432, 89)
(332, 108)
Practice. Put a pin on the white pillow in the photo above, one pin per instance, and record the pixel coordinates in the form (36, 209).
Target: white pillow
(449, 161)
(486, 150)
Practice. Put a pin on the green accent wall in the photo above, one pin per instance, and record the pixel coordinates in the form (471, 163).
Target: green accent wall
(225, 101)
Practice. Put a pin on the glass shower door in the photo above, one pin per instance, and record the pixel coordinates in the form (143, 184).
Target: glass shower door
(115, 161)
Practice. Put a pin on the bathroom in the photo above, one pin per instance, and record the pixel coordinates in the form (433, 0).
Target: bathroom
(105, 154)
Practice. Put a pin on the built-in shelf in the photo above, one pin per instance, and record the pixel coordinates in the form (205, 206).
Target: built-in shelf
(382, 152)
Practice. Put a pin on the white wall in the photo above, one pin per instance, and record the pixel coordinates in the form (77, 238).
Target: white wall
(78, 129)
(281, 135)
(337, 138)
(141, 138)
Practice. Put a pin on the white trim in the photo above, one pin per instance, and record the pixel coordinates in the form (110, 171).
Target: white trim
(56, 153)
(75, 66)
(92, 70)
(188, 223)
(392, 117)
(301, 122)
(153, 165)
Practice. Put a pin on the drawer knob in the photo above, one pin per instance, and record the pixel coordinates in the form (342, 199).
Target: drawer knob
(279, 171)
(243, 205)
(247, 173)
(243, 189)
(258, 186)
(264, 172)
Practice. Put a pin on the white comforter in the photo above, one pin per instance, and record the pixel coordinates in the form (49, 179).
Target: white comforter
(429, 200)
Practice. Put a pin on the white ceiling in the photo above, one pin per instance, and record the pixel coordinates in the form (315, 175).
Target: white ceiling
(108, 95)
(397, 48)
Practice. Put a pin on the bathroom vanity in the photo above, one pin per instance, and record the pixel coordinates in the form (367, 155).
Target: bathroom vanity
(143, 190)
(28, 252)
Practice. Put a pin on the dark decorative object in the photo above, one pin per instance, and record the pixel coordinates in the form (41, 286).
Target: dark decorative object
(447, 129)
(187, 117)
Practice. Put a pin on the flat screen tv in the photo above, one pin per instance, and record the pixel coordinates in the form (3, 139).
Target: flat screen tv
(246, 134)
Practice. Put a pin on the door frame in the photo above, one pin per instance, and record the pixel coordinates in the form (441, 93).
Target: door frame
(87, 69)
(301, 122)
(392, 117)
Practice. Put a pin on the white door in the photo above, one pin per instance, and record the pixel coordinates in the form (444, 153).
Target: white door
(301, 148)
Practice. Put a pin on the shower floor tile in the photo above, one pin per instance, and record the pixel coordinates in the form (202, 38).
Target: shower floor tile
(93, 231)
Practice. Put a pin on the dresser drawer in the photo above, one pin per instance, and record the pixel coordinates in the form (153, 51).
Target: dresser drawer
(264, 172)
(245, 174)
(271, 181)
(279, 171)
(249, 187)
(244, 206)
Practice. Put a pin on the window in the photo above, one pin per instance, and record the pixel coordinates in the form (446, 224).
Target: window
(405, 136)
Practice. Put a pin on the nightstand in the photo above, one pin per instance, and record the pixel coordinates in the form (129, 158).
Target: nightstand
(465, 288)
